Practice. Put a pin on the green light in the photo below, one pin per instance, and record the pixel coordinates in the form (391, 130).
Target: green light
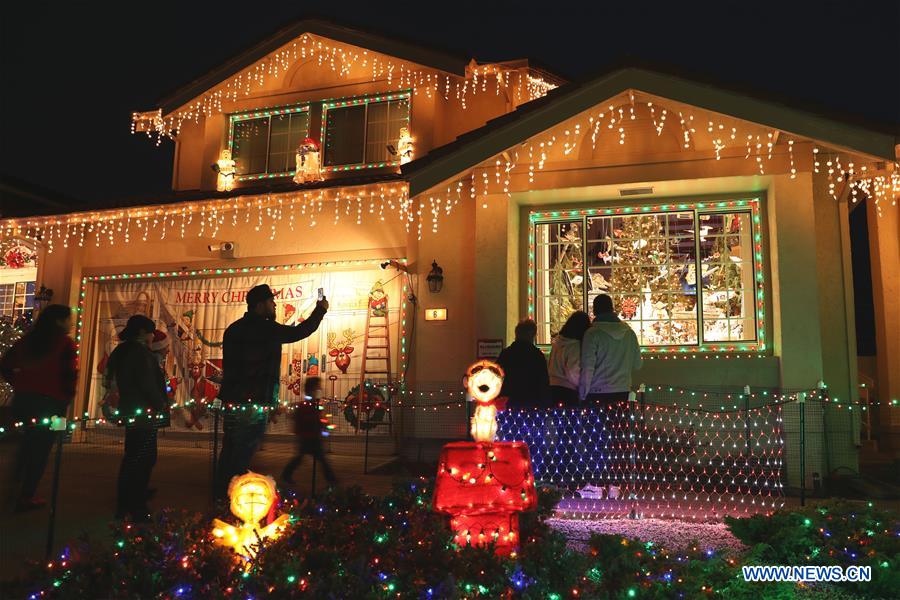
(291, 579)
(807, 522)
(632, 592)
(120, 543)
(391, 587)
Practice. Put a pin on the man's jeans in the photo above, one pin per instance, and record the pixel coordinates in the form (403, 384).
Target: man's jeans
(242, 436)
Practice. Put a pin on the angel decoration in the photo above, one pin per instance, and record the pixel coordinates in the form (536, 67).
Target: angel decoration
(253, 498)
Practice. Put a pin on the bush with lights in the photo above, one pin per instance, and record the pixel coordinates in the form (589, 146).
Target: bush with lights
(350, 545)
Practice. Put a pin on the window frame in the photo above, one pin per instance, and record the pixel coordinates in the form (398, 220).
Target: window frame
(266, 113)
(14, 295)
(356, 101)
(733, 203)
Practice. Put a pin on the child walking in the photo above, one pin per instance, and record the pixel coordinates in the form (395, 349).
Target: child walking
(308, 426)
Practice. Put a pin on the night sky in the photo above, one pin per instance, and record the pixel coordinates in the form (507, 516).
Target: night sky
(72, 74)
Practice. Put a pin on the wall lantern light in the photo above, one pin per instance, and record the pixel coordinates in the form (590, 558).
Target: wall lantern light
(435, 278)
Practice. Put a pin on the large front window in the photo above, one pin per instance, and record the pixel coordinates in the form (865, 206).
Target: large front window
(679, 275)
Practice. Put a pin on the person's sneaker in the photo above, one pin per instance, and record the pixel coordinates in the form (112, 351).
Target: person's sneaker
(27, 504)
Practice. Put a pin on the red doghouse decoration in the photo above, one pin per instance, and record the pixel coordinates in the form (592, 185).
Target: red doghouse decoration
(484, 484)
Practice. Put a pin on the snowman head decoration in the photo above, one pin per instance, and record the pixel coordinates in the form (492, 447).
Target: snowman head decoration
(483, 380)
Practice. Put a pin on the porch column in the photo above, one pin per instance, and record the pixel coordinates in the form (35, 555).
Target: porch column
(797, 336)
(884, 250)
(496, 268)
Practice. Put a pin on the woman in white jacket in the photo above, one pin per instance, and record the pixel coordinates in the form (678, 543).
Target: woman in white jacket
(565, 360)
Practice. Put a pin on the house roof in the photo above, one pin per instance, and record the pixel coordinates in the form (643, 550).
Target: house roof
(20, 198)
(570, 99)
(413, 52)
(263, 186)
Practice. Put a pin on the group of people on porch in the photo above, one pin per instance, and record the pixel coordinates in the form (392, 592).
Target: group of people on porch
(589, 361)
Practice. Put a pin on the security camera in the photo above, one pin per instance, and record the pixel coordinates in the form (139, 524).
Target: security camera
(225, 249)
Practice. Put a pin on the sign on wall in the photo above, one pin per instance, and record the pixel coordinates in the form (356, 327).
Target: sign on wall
(489, 348)
(194, 313)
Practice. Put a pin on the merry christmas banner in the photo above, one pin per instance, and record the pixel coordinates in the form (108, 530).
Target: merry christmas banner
(191, 316)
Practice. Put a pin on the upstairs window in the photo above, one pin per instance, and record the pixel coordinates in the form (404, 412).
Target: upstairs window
(359, 131)
(264, 143)
(685, 275)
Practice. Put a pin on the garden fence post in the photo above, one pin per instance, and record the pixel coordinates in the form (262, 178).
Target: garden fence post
(58, 426)
(747, 419)
(216, 406)
(366, 452)
(801, 402)
(632, 428)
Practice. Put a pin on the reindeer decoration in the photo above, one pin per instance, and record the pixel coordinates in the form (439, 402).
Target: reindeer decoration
(341, 351)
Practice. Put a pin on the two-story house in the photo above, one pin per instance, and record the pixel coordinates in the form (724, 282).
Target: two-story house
(716, 220)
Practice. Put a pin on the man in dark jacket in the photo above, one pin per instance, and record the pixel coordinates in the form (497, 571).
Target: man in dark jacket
(526, 382)
(251, 362)
(143, 407)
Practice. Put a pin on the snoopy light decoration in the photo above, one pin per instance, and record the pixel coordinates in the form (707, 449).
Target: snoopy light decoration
(253, 498)
(484, 484)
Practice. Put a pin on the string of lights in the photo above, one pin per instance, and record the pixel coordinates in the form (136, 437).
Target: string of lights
(266, 212)
(344, 61)
(645, 402)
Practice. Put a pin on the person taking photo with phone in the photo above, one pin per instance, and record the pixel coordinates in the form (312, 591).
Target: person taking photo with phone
(251, 362)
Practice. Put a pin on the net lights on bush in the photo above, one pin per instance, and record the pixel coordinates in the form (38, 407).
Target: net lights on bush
(647, 460)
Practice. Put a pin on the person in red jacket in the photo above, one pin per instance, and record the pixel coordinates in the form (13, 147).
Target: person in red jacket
(308, 426)
(42, 369)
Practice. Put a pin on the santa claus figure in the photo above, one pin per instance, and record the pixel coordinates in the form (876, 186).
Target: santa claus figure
(307, 162)
(225, 167)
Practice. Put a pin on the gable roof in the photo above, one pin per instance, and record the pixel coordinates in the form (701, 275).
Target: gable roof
(21, 198)
(429, 57)
(564, 102)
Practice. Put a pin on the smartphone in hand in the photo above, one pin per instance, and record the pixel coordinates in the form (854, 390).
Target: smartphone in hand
(321, 294)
